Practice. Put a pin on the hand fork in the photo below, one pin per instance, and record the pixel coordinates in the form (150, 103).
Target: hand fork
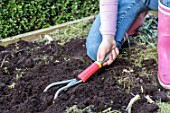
(83, 77)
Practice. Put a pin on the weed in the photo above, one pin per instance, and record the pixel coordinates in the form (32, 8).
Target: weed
(164, 107)
(6, 71)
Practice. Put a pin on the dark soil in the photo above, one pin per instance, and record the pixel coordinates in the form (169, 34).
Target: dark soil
(27, 68)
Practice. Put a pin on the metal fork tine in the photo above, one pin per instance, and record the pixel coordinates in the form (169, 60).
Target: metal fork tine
(60, 90)
(57, 83)
(71, 83)
(66, 87)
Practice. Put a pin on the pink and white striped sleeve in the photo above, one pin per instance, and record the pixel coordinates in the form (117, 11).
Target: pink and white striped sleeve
(108, 16)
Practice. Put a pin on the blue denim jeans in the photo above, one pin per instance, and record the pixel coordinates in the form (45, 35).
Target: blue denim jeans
(128, 11)
(166, 2)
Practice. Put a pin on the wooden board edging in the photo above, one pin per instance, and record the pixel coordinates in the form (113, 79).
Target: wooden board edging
(30, 36)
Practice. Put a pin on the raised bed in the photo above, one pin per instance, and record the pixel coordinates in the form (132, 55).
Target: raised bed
(28, 67)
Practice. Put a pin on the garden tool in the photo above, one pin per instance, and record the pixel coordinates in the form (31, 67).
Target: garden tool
(82, 77)
(164, 45)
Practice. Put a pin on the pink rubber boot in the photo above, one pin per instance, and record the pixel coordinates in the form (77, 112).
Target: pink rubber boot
(164, 45)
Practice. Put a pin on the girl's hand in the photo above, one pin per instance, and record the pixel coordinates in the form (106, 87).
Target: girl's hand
(108, 44)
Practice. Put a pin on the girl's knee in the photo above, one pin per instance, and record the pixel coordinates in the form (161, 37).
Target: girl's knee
(92, 45)
(94, 39)
(92, 51)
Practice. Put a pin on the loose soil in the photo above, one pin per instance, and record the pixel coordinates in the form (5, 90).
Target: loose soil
(27, 68)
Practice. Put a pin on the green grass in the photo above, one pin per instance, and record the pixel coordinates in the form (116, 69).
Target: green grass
(69, 32)
(88, 109)
(164, 107)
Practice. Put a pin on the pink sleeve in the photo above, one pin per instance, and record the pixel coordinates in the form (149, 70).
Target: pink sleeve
(108, 15)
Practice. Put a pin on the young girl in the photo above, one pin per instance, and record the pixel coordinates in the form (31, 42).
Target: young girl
(121, 18)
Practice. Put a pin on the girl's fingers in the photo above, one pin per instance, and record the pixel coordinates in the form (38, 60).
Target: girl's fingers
(100, 55)
(105, 64)
(110, 60)
(115, 53)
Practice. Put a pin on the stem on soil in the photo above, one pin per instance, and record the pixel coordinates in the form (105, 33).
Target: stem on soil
(132, 101)
(3, 61)
(149, 99)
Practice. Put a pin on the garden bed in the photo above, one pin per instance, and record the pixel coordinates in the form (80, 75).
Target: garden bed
(27, 68)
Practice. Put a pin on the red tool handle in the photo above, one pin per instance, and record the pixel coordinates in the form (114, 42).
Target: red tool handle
(88, 72)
